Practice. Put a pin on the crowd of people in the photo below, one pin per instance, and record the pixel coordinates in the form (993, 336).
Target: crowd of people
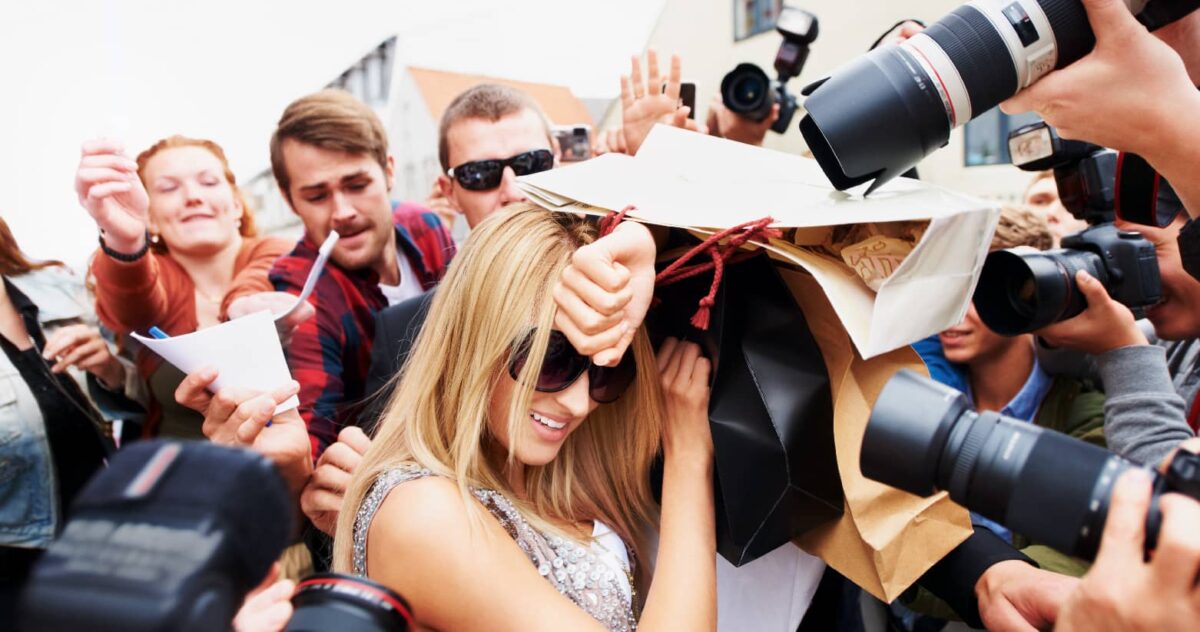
(486, 415)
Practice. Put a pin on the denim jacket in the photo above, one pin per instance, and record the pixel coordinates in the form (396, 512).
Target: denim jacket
(29, 510)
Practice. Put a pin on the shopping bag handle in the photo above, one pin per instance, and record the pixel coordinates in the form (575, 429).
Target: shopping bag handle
(720, 254)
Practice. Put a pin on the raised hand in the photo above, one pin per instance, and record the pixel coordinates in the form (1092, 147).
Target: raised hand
(684, 374)
(604, 293)
(654, 101)
(108, 187)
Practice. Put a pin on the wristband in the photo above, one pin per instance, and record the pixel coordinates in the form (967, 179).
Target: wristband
(121, 256)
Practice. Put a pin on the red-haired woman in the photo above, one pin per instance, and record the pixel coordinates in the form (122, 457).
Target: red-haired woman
(175, 235)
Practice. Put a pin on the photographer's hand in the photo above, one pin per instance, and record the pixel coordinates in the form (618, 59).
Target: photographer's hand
(643, 104)
(726, 124)
(1103, 326)
(605, 292)
(1132, 93)
(1122, 592)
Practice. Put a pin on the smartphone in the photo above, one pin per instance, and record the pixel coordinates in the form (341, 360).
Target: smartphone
(687, 95)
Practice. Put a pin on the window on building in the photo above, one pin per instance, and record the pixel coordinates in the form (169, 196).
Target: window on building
(751, 17)
(987, 137)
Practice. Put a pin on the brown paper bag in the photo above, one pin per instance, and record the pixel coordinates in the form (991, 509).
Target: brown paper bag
(885, 538)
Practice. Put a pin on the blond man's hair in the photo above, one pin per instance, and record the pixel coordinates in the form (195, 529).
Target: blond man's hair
(498, 291)
(487, 102)
(330, 119)
(1022, 226)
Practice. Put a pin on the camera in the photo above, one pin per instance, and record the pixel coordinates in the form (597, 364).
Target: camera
(1020, 292)
(171, 536)
(923, 437)
(747, 90)
(332, 601)
(876, 117)
(575, 142)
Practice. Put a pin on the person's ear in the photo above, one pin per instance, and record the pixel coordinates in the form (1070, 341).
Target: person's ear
(390, 172)
(445, 187)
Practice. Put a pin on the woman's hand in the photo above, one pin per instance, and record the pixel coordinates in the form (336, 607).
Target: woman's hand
(237, 416)
(108, 187)
(685, 375)
(82, 346)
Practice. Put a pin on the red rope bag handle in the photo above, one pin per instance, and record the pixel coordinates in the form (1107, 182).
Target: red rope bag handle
(720, 255)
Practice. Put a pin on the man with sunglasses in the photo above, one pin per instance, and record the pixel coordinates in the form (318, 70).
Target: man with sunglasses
(488, 136)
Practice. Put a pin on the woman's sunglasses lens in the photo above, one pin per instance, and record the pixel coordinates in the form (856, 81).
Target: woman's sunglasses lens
(607, 384)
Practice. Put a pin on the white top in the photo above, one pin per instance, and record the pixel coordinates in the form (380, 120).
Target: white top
(409, 286)
(610, 549)
(770, 593)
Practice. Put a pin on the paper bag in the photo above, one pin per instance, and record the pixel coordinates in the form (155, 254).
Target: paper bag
(886, 538)
(770, 410)
(688, 180)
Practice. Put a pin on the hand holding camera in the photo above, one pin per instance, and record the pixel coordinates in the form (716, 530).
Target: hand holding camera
(1125, 55)
(1105, 324)
(1123, 591)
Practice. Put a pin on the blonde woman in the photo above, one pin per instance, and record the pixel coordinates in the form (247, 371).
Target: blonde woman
(507, 488)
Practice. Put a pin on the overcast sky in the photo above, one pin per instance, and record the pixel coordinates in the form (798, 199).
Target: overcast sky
(139, 70)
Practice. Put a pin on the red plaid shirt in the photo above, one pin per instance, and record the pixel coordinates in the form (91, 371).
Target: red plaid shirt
(330, 353)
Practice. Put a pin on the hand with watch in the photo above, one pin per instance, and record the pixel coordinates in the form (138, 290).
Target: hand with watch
(108, 187)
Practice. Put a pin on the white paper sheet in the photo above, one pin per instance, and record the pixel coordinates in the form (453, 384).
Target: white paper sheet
(245, 351)
(684, 179)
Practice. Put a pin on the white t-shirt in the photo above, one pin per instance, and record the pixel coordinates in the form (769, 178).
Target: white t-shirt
(409, 286)
(607, 546)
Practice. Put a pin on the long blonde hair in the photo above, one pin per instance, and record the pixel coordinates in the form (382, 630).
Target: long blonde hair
(497, 289)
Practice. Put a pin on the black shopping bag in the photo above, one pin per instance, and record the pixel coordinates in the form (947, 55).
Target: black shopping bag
(771, 411)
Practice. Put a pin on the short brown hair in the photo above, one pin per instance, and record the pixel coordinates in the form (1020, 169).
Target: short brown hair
(489, 102)
(329, 119)
(1021, 226)
(246, 227)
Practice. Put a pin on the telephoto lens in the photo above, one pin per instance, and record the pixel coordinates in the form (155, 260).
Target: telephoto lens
(922, 437)
(1019, 292)
(881, 114)
(332, 601)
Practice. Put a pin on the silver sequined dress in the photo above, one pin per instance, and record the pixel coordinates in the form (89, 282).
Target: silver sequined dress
(570, 567)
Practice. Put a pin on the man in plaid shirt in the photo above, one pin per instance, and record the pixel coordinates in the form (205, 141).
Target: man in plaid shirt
(329, 156)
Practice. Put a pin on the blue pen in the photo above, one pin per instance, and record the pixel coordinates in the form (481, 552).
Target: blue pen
(155, 332)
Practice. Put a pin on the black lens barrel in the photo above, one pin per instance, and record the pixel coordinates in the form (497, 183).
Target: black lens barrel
(979, 54)
(1072, 32)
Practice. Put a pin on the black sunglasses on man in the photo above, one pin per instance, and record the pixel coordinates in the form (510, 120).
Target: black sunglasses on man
(482, 175)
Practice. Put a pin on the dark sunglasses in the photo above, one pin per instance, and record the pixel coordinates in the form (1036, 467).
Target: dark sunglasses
(482, 175)
(563, 365)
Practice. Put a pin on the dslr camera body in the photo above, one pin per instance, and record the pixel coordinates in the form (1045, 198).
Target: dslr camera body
(1019, 292)
(748, 92)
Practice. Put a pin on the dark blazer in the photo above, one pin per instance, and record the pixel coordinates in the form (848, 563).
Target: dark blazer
(396, 328)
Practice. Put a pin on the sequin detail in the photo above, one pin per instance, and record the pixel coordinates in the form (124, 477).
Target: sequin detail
(571, 568)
